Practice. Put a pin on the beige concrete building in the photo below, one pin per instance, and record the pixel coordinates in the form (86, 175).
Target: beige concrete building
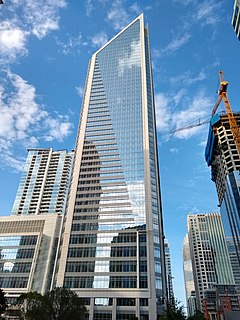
(28, 249)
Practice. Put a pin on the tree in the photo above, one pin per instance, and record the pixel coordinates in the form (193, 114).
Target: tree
(173, 312)
(197, 316)
(3, 302)
(58, 304)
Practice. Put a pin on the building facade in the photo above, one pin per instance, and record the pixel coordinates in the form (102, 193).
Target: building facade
(222, 155)
(112, 251)
(234, 263)
(44, 184)
(236, 18)
(188, 278)
(209, 254)
(221, 302)
(169, 276)
(28, 250)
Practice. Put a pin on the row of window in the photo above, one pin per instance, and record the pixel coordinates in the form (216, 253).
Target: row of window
(100, 181)
(103, 167)
(10, 267)
(99, 226)
(102, 217)
(17, 240)
(105, 282)
(13, 282)
(103, 252)
(7, 254)
(102, 163)
(109, 188)
(107, 210)
(105, 266)
(105, 195)
(102, 238)
(103, 201)
(100, 174)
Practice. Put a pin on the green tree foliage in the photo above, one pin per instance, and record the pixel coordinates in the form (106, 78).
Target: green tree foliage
(197, 316)
(173, 312)
(3, 302)
(58, 304)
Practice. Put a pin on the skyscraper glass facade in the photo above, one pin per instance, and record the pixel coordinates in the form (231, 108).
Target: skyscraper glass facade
(113, 238)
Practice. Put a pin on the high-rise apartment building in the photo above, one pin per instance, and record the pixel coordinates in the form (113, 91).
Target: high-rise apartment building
(236, 18)
(169, 276)
(209, 254)
(223, 157)
(29, 239)
(44, 183)
(112, 252)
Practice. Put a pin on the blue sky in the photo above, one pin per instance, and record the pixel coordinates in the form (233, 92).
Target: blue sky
(44, 51)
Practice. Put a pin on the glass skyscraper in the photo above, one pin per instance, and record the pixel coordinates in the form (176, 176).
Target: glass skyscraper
(112, 251)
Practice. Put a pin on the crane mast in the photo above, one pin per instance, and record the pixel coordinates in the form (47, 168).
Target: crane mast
(222, 95)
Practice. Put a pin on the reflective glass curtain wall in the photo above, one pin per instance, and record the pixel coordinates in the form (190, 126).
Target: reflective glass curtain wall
(113, 239)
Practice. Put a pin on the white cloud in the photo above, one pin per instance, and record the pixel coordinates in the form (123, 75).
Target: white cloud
(178, 96)
(99, 39)
(168, 120)
(130, 60)
(89, 8)
(58, 128)
(117, 15)
(175, 44)
(163, 115)
(23, 120)
(72, 46)
(174, 150)
(183, 2)
(33, 17)
(80, 90)
(198, 108)
(14, 163)
(135, 8)
(12, 40)
(42, 16)
(207, 12)
(187, 78)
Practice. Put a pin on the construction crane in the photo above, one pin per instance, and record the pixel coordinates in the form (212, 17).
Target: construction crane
(222, 95)
(190, 126)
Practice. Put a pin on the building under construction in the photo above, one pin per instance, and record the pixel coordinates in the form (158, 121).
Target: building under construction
(222, 155)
